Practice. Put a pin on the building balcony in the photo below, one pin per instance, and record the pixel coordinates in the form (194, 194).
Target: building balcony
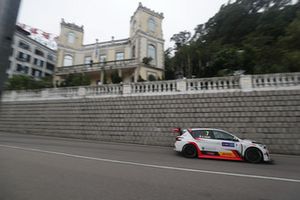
(96, 67)
(22, 59)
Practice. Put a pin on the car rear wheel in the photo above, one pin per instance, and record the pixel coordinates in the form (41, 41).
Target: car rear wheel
(253, 155)
(189, 151)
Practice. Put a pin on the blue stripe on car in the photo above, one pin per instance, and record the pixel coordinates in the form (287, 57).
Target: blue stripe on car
(227, 144)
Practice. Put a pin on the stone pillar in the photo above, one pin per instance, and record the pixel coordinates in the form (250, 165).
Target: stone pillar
(102, 76)
(136, 74)
(120, 73)
(45, 93)
(81, 92)
(13, 95)
(126, 89)
(246, 83)
(181, 85)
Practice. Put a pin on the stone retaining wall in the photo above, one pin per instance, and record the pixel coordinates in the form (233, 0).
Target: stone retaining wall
(271, 117)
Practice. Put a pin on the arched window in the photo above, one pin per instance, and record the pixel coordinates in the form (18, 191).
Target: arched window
(68, 60)
(151, 25)
(152, 53)
(71, 37)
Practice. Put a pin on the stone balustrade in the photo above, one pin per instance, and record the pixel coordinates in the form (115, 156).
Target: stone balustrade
(217, 83)
(275, 80)
(243, 83)
(154, 87)
(114, 89)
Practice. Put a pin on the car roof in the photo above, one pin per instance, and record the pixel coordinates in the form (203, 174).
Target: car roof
(209, 129)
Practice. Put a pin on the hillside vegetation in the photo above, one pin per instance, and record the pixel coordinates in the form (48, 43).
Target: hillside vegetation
(245, 36)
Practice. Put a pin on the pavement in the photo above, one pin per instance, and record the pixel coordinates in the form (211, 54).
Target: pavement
(42, 168)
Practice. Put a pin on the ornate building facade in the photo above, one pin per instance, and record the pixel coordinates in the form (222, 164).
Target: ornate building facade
(139, 57)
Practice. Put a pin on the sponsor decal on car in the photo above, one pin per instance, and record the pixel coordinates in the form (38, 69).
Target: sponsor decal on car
(228, 144)
(227, 154)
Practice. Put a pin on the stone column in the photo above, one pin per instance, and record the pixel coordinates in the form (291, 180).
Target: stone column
(181, 85)
(126, 89)
(45, 93)
(81, 92)
(246, 83)
(13, 95)
(102, 76)
(136, 74)
(120, 73)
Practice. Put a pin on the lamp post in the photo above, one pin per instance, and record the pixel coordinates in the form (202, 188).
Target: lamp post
(8, 15)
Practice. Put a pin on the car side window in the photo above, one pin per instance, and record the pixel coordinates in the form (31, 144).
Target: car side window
(219, 135)
(207, 134)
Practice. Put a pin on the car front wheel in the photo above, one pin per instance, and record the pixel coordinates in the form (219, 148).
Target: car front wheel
(189, 151)
(253, 155)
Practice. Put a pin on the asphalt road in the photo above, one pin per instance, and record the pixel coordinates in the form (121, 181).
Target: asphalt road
(38, 168)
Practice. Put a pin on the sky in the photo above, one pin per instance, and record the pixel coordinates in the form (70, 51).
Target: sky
(103, 19)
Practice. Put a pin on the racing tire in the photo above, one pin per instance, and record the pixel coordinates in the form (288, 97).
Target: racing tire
(253, 155)
(189, 151)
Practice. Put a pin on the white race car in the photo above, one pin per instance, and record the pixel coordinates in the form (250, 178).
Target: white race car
(218, 144)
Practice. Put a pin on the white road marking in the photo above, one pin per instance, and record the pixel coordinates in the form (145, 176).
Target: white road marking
(156, 166)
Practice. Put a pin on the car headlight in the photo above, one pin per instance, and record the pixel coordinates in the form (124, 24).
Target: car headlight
(262, 146)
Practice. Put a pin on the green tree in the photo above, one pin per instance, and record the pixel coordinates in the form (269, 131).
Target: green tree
(47, 82)
(147, 60)
(169, 66)
(181, 38)
(291, 45)
(76, 80)
(151, 77)
(256, 36)
(22, 82)
(226, 61)
(115, 78)
(182, 60)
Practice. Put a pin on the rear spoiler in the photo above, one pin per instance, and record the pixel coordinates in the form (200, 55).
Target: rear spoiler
(177, 130)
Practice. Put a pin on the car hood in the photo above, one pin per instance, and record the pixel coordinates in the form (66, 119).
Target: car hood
(247, 141)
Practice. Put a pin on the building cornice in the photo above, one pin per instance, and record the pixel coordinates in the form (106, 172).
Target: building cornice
(149, 11)
(91, 47)
(107, 43)
(151, 67)
(146, 35)
(71, 26)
